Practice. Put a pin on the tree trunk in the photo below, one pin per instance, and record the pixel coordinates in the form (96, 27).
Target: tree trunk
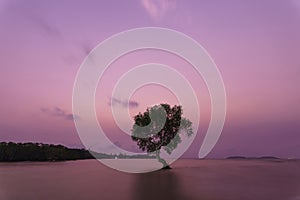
(162, 161)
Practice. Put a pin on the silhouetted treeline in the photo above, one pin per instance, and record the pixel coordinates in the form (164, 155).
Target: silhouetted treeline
(11, 152)
(40, 152)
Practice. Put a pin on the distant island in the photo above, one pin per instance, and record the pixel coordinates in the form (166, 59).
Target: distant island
(243, 157)
(15, 152)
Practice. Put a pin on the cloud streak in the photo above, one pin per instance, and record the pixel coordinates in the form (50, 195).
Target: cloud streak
(157, 9)
(124, 103)
(31, 16)
(46, 27)
(58, 112)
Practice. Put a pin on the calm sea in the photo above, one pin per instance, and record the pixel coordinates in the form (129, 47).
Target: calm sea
(189, 179)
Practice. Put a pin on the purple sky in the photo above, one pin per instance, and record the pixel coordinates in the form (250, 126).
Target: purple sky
(255, 44)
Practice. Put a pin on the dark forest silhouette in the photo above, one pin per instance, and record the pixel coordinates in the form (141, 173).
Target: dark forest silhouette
(39, 152)
(13, 152)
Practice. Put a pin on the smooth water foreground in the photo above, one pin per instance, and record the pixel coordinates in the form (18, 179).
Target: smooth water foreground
(189, 179)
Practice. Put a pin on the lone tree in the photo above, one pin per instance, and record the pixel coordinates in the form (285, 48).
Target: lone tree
(160, 127)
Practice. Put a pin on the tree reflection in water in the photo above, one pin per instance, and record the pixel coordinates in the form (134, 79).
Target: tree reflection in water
(162, 184)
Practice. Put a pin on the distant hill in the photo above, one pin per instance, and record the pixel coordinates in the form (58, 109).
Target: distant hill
(13, 152)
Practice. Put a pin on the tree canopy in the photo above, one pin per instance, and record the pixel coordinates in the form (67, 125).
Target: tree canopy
(159, 127)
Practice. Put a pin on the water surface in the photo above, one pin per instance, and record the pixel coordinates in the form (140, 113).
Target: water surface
(189, 179)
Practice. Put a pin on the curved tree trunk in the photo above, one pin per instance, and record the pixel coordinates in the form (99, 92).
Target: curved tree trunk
(162, 161)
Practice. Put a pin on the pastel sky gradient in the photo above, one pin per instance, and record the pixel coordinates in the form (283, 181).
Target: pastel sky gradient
(255, 45)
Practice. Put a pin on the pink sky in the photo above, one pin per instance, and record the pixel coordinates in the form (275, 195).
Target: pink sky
(255, 45)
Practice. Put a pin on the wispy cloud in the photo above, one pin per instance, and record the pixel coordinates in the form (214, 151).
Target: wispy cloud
(124, 103)
(58, 112)
(45, 26)
(33, 17)
(157, 9)
(86, 47)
